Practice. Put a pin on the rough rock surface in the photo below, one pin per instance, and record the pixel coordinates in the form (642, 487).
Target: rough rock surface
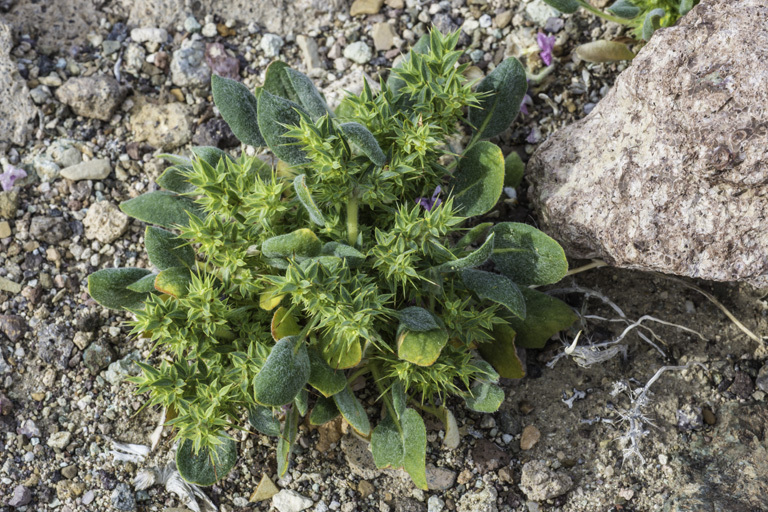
(54, 24)
(540, 483)
(105, 222)
(277, 16)
(670, 171)
(163, 126)
(16, 108)
(95, 96)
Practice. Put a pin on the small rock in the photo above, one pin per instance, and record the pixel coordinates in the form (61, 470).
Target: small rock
(7, 285)
(503, 19)
(123, 498)
(481, 501)
(290, 501)
(133, 58)
(54, 346)
(209, 30)
(742, 385)
(689, 417)
(5, 229)
(365, 7)
(365, 488)
(50, 230)
(358, 52)
(105, 222)
(109, 47)
(540, 483)
(539, 12)
(762, 378)
(328, 434)
(96, 96)
(271, 44)
(488, 456)
(64, 153)
(91, 170)
(191, 25)
(264, 491)
(383, 36)
(21, 496)
(40, 94)
(435, 504)
(29, 429)
(709, 416)
(13, 326)
(9, 203)
(188, 67)
(440, 479)
(97, 356)
(46, 169)
(163, 126)
(148, 34)
(309, 52)
(125, 367)
(359, 458)
(69, 472)
(60, 439)
(221, 62)
(529, 438)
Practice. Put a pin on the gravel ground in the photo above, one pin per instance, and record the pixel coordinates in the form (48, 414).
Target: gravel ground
(553, 445)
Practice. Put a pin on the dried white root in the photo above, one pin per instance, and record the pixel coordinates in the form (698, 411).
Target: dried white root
(635, 416)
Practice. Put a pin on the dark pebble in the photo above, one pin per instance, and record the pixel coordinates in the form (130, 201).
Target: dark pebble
(742, 385)
(488, 457)
(13, 326)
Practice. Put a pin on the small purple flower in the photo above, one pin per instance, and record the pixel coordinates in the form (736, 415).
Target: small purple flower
(524, 104)
(9, 177)
(428, 204)
(546, 44)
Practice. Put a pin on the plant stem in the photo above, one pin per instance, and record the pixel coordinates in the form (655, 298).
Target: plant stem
(352, 207)
(598, 12)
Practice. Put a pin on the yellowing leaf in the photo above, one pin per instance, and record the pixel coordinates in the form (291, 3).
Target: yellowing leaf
(284, 324)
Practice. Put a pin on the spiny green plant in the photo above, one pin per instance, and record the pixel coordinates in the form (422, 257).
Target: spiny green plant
(277, 288)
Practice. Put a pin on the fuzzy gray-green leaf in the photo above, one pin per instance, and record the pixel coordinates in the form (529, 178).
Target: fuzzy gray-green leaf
(402, 443)
(685, 6)
(211, 155)
(144, 285)
(652, 22)
(108, 287)
(239, 108)
(514, 168)
(324, 378)
(473, 259)
(415, 318)
(166, 250)
(174, 179)
(504, 88)
(284, 374)
(324, 411)
(527, 256)
(308, 95)
(485, 397)
(287, 440)
(624, 9)
(564, 6)
(305, 198)
(353, 411)
(352, 256)
(364, 139)
(299, 244)
(276, 81)
(263, 420)
(544, 317)
(161, 208)
(275, 113)
(174, 281)
(206, 467)
(497, 288)
(479, 179)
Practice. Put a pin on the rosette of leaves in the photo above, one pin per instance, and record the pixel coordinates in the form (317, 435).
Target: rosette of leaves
(275, 288)
(643, 17)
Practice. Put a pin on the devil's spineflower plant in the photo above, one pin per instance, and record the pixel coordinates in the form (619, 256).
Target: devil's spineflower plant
(359, 255)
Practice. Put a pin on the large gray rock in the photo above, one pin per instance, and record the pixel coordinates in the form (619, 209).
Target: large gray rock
(670, 171)
(162, 126)
(96, 96)
(16, 108)
(55, 25)
(276, 16)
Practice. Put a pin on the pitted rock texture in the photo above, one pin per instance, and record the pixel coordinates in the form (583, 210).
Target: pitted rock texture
(670, 171)
(17, 112)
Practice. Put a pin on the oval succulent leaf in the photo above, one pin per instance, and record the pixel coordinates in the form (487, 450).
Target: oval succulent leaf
(479, 179)
(352, 256)
(402, 444)
(144, 285)
(652, 22)
(399, 398)
(340, 357)
(173, 281)
(239, 109)
(473, 259)
(263, 420)
(324, 378)
(353, 411)
(307, 94)
(545, 316)
(276, 81)
(564, 6)
(300, 244)
(497, 288)
(624, 9)
(452, 435)
(514, 168)
(501, 353)
(161, 208)
(421, 348)
(284, 324)
(284, 374)
(685, 7)
(275, 113)
(485, 397)
(503, 90)
(527, 256)
(305, 198)
(324, 411)
(109, 287)
(474, 235)
(301, 402)
(604, 51)
(287, 440)
(207, 466)
(415, 318)
(166, 250)
(361, 137)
